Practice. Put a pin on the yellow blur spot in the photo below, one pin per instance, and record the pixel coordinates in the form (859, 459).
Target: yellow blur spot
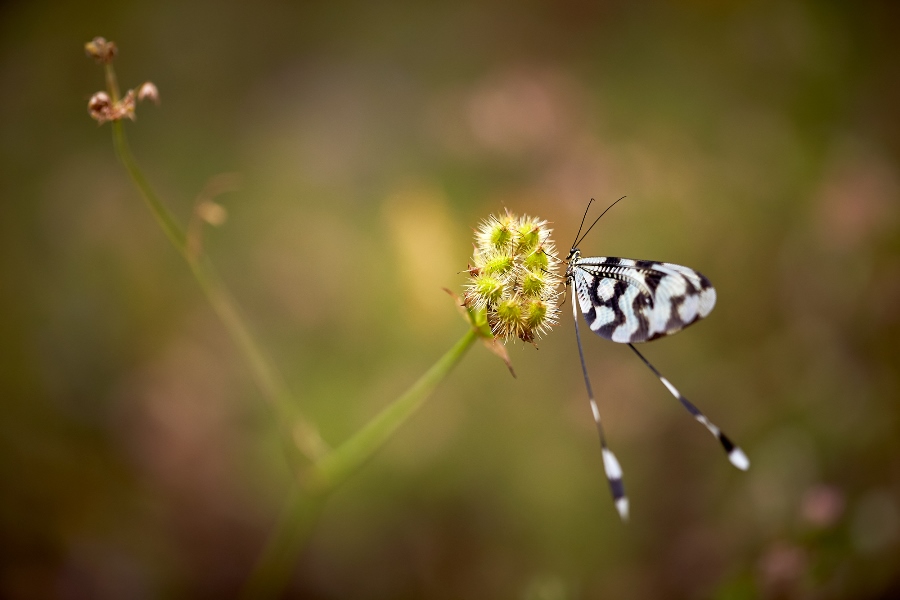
(421, 232)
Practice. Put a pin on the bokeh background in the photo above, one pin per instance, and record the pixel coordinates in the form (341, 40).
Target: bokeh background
(757, 142)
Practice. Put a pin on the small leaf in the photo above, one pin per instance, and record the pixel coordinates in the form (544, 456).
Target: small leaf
(497, 347)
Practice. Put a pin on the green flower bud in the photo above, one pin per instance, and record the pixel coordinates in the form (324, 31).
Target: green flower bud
(533, 284)
(537, 260)
(540, 315)
(500, 264)
(495, 233)
(490, 288)
(509, 318)
(529, 236)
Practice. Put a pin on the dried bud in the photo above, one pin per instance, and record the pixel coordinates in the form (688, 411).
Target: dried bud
(99, 102)
(148, 91)
(100, 107)
(515, 277)
(125, 107)
(212, 212)
(100, 50)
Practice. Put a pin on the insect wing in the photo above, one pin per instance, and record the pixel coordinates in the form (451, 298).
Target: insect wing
(630, 301)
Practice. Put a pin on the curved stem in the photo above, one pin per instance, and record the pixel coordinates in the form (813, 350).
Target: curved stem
(275, 566)
(335, 467)
(296, 431)
(273, 571)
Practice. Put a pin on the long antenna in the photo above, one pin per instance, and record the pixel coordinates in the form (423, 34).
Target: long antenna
(587, 208)
(579, 240)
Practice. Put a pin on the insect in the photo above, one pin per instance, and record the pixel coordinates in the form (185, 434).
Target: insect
(630, 301)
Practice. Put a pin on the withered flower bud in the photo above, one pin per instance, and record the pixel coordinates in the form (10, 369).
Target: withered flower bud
(100, 107)
(212, 212)
(125, 108)
(148, 91)
(100, 50)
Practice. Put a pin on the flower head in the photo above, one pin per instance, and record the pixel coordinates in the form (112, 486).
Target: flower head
(514, 278)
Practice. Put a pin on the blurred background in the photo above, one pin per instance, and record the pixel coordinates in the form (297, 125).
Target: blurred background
(756, 141)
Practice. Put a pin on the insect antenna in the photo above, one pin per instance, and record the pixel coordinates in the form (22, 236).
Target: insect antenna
(610, 464)
(581, 239)
(586, 209)
(735, 454)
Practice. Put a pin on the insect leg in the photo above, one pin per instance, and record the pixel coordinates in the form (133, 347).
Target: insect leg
(610, 464)
(735, 454)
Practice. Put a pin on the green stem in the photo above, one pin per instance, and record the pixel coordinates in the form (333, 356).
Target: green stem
(335, 467)
(297, 432)
(112, 84)
(163, 217)
(273, 571)
(276, 564)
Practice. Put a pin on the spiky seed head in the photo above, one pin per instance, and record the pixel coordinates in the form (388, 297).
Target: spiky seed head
(541, 315)
(514, 278)
(529, 235)
(485, 291)
(495, 233)
(533, 283)
(511, 320)
(536, 260)
(499, 264)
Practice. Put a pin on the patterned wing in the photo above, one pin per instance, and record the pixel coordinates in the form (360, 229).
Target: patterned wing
(630, 301)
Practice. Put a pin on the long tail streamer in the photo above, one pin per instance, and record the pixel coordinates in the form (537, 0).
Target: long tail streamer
(735, 454)
(610, 464)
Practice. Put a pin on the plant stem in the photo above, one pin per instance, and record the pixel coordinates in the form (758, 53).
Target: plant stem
(112, 84)
(296, 431)
(336, 466)
(276, 564)
(273, 571)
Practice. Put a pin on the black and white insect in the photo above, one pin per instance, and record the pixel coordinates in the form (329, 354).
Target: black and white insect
(630, 301)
